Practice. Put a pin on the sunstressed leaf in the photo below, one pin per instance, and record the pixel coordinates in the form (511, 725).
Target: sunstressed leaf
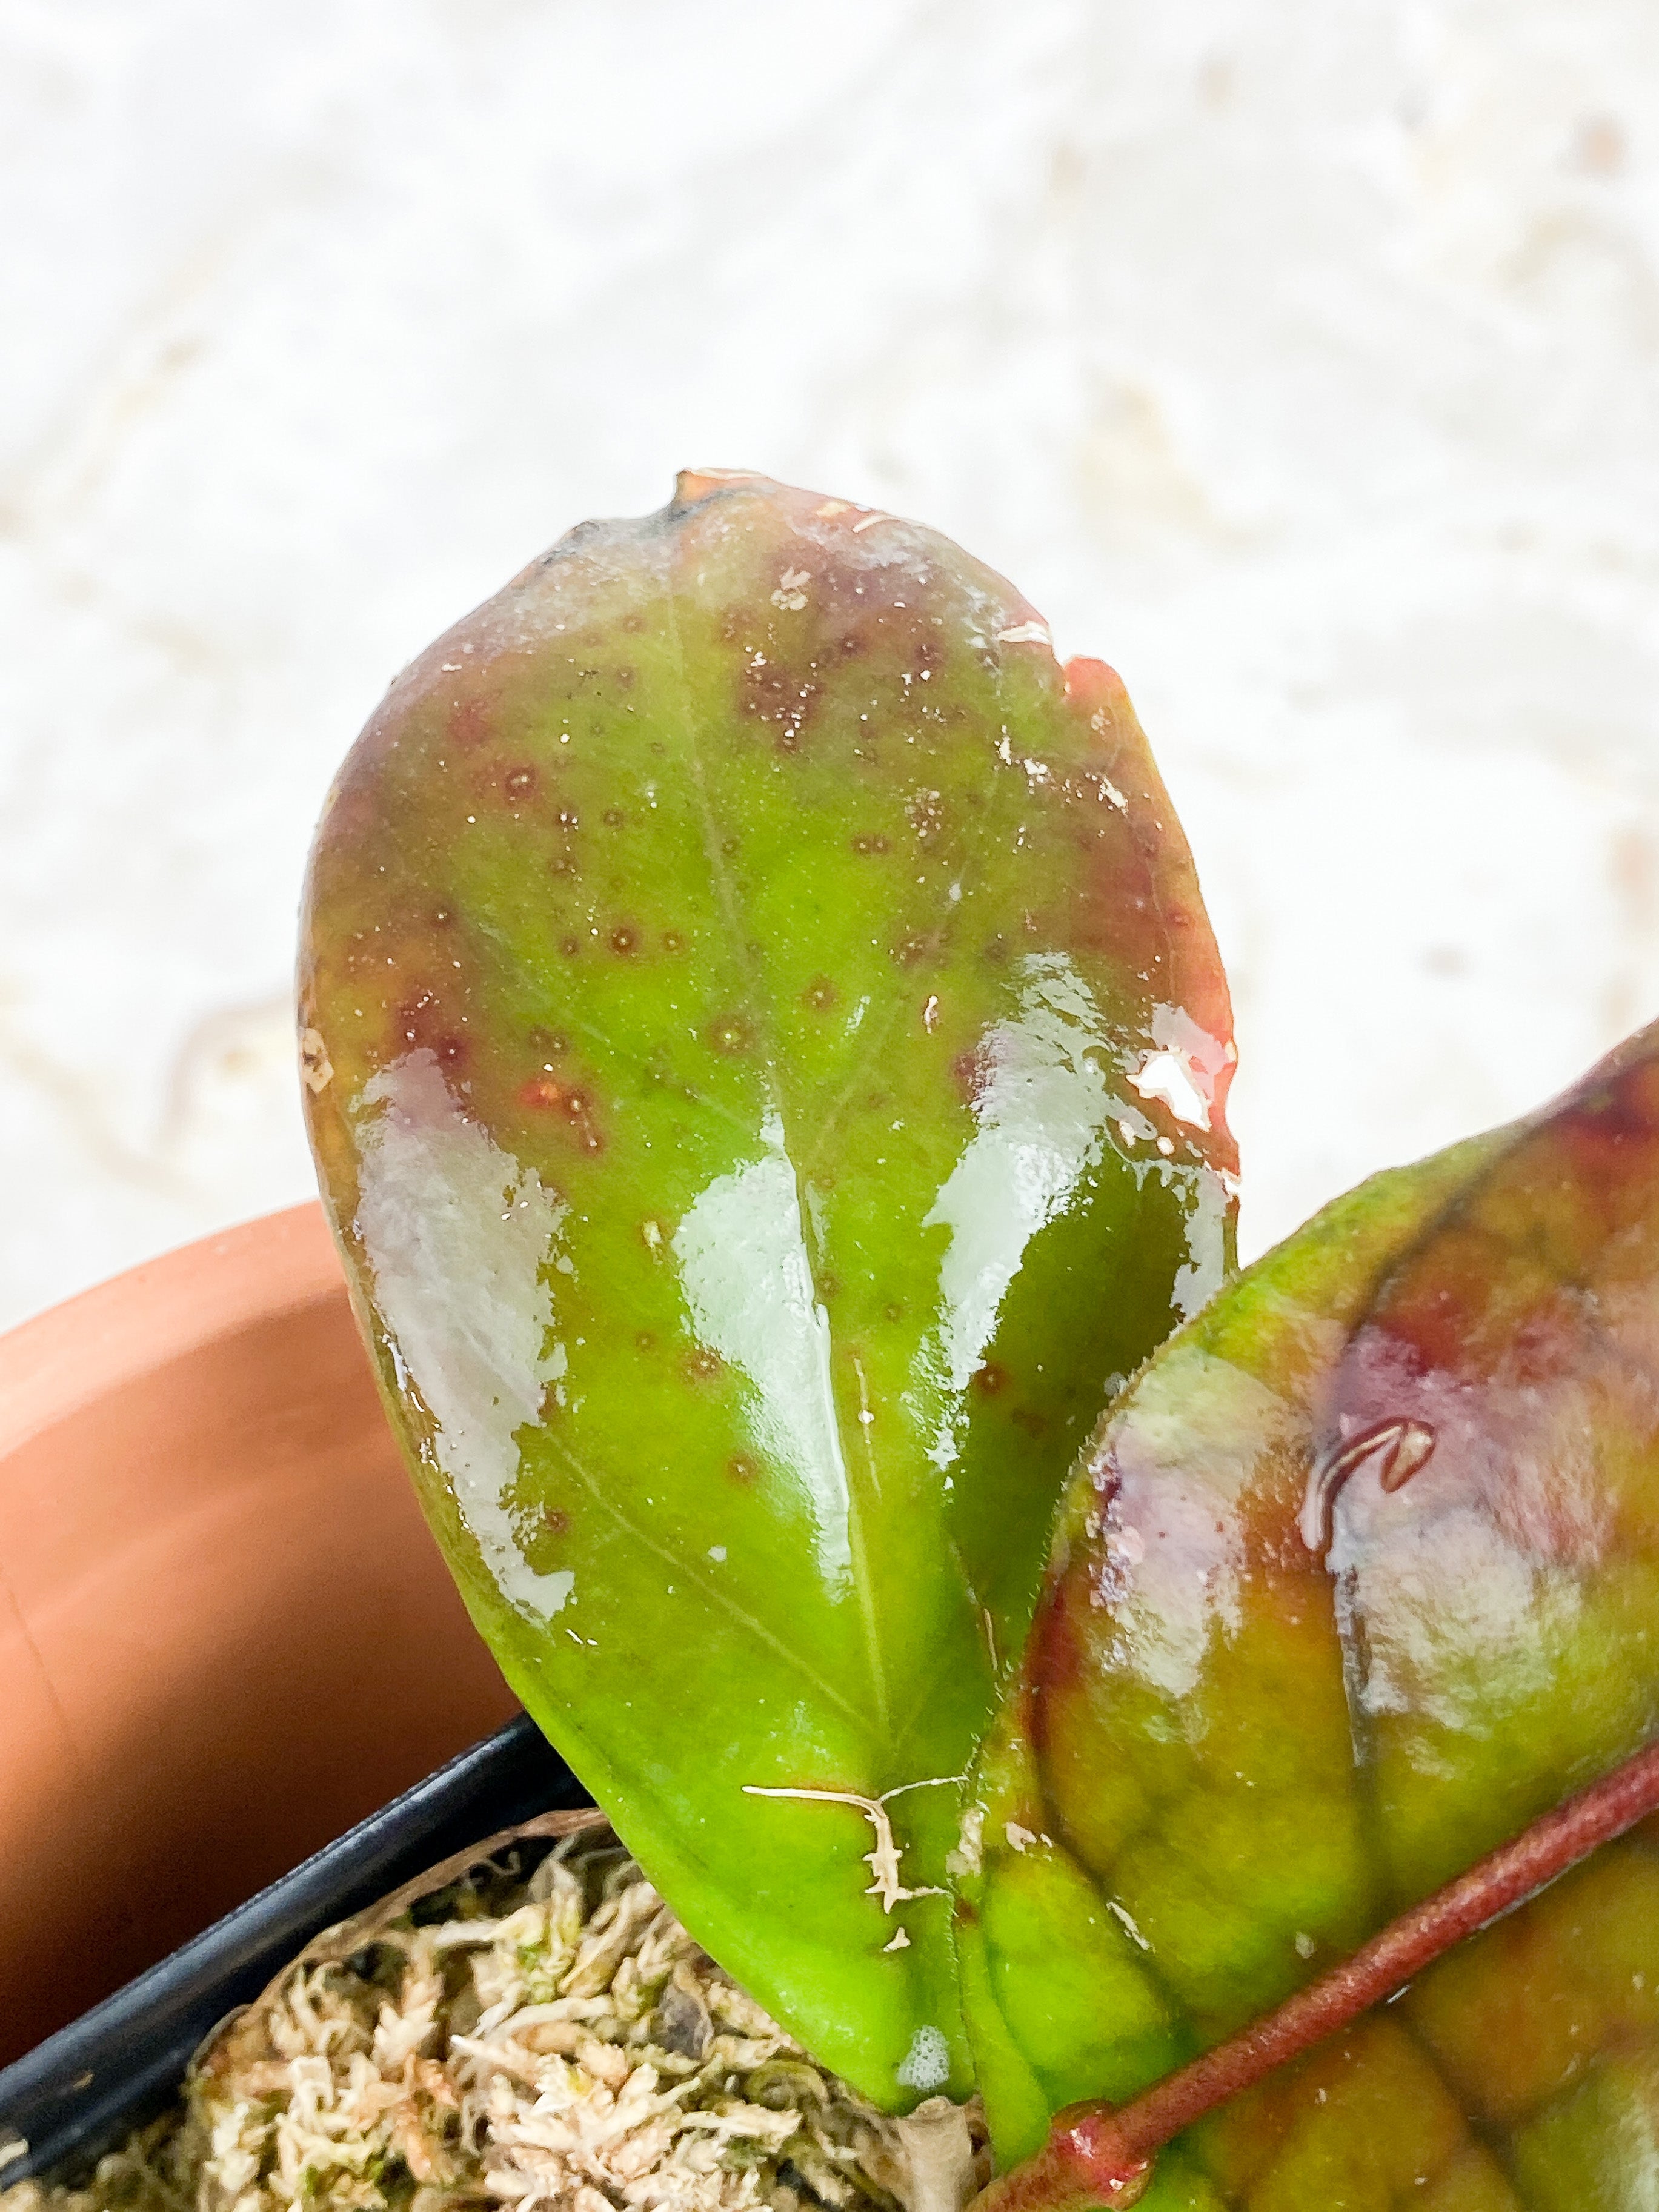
(768, 1056)
(1360, 1578)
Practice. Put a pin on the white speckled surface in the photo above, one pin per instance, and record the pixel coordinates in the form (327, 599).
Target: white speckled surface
(1302, 360)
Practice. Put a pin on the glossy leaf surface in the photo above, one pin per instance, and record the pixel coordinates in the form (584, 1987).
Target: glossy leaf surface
(1360, 1578)
(767, 1057)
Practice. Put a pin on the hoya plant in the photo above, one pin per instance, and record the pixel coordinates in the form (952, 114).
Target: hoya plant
(1348, 1644)
(767, 1057)
(766, 1063)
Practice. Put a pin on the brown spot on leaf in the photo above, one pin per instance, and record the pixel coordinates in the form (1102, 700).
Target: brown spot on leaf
(742, 1469)
(413, 1018)
(775, 695)
(555, 1523)
(544, 1094)
(820, 993)
(702, 1365)
(1053, 1661)
(468, 722)
(425, 1024)
(623, 938)
(990, 1379)
(730, 1033)
(520, 783)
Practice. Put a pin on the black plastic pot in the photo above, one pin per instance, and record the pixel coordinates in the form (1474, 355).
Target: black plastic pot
(77, 2094)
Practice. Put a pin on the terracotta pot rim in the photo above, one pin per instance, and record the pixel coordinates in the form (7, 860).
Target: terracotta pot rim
(214, 1287)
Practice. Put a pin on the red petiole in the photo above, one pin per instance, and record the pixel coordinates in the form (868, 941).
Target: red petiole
(1098, 2156)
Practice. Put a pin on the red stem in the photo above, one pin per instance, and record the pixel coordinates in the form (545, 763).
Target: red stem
(1097, 2156)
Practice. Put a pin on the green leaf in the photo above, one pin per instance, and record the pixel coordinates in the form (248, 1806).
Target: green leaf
(1361, 1576)
(770, 1055)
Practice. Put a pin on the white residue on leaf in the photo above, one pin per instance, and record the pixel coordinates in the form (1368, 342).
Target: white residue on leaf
(927, 2063)
(1104, 789)
(1127, 1923)
(967, 1858)
(748, 1283)
(458, 1239)
(883, 1860)
(1026, 632)
(316, 1072)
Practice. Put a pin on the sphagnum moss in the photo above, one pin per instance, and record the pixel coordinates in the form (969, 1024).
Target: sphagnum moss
(556, 2040)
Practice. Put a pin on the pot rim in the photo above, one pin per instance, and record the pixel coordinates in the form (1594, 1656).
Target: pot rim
(194, 1295)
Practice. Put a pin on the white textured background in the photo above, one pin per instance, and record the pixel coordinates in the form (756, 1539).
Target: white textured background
(1302, 360)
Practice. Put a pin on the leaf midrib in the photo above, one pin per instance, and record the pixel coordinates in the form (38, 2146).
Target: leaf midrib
(875, 1658)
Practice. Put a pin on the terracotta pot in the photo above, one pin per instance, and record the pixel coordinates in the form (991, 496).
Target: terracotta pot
(225, 1633)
